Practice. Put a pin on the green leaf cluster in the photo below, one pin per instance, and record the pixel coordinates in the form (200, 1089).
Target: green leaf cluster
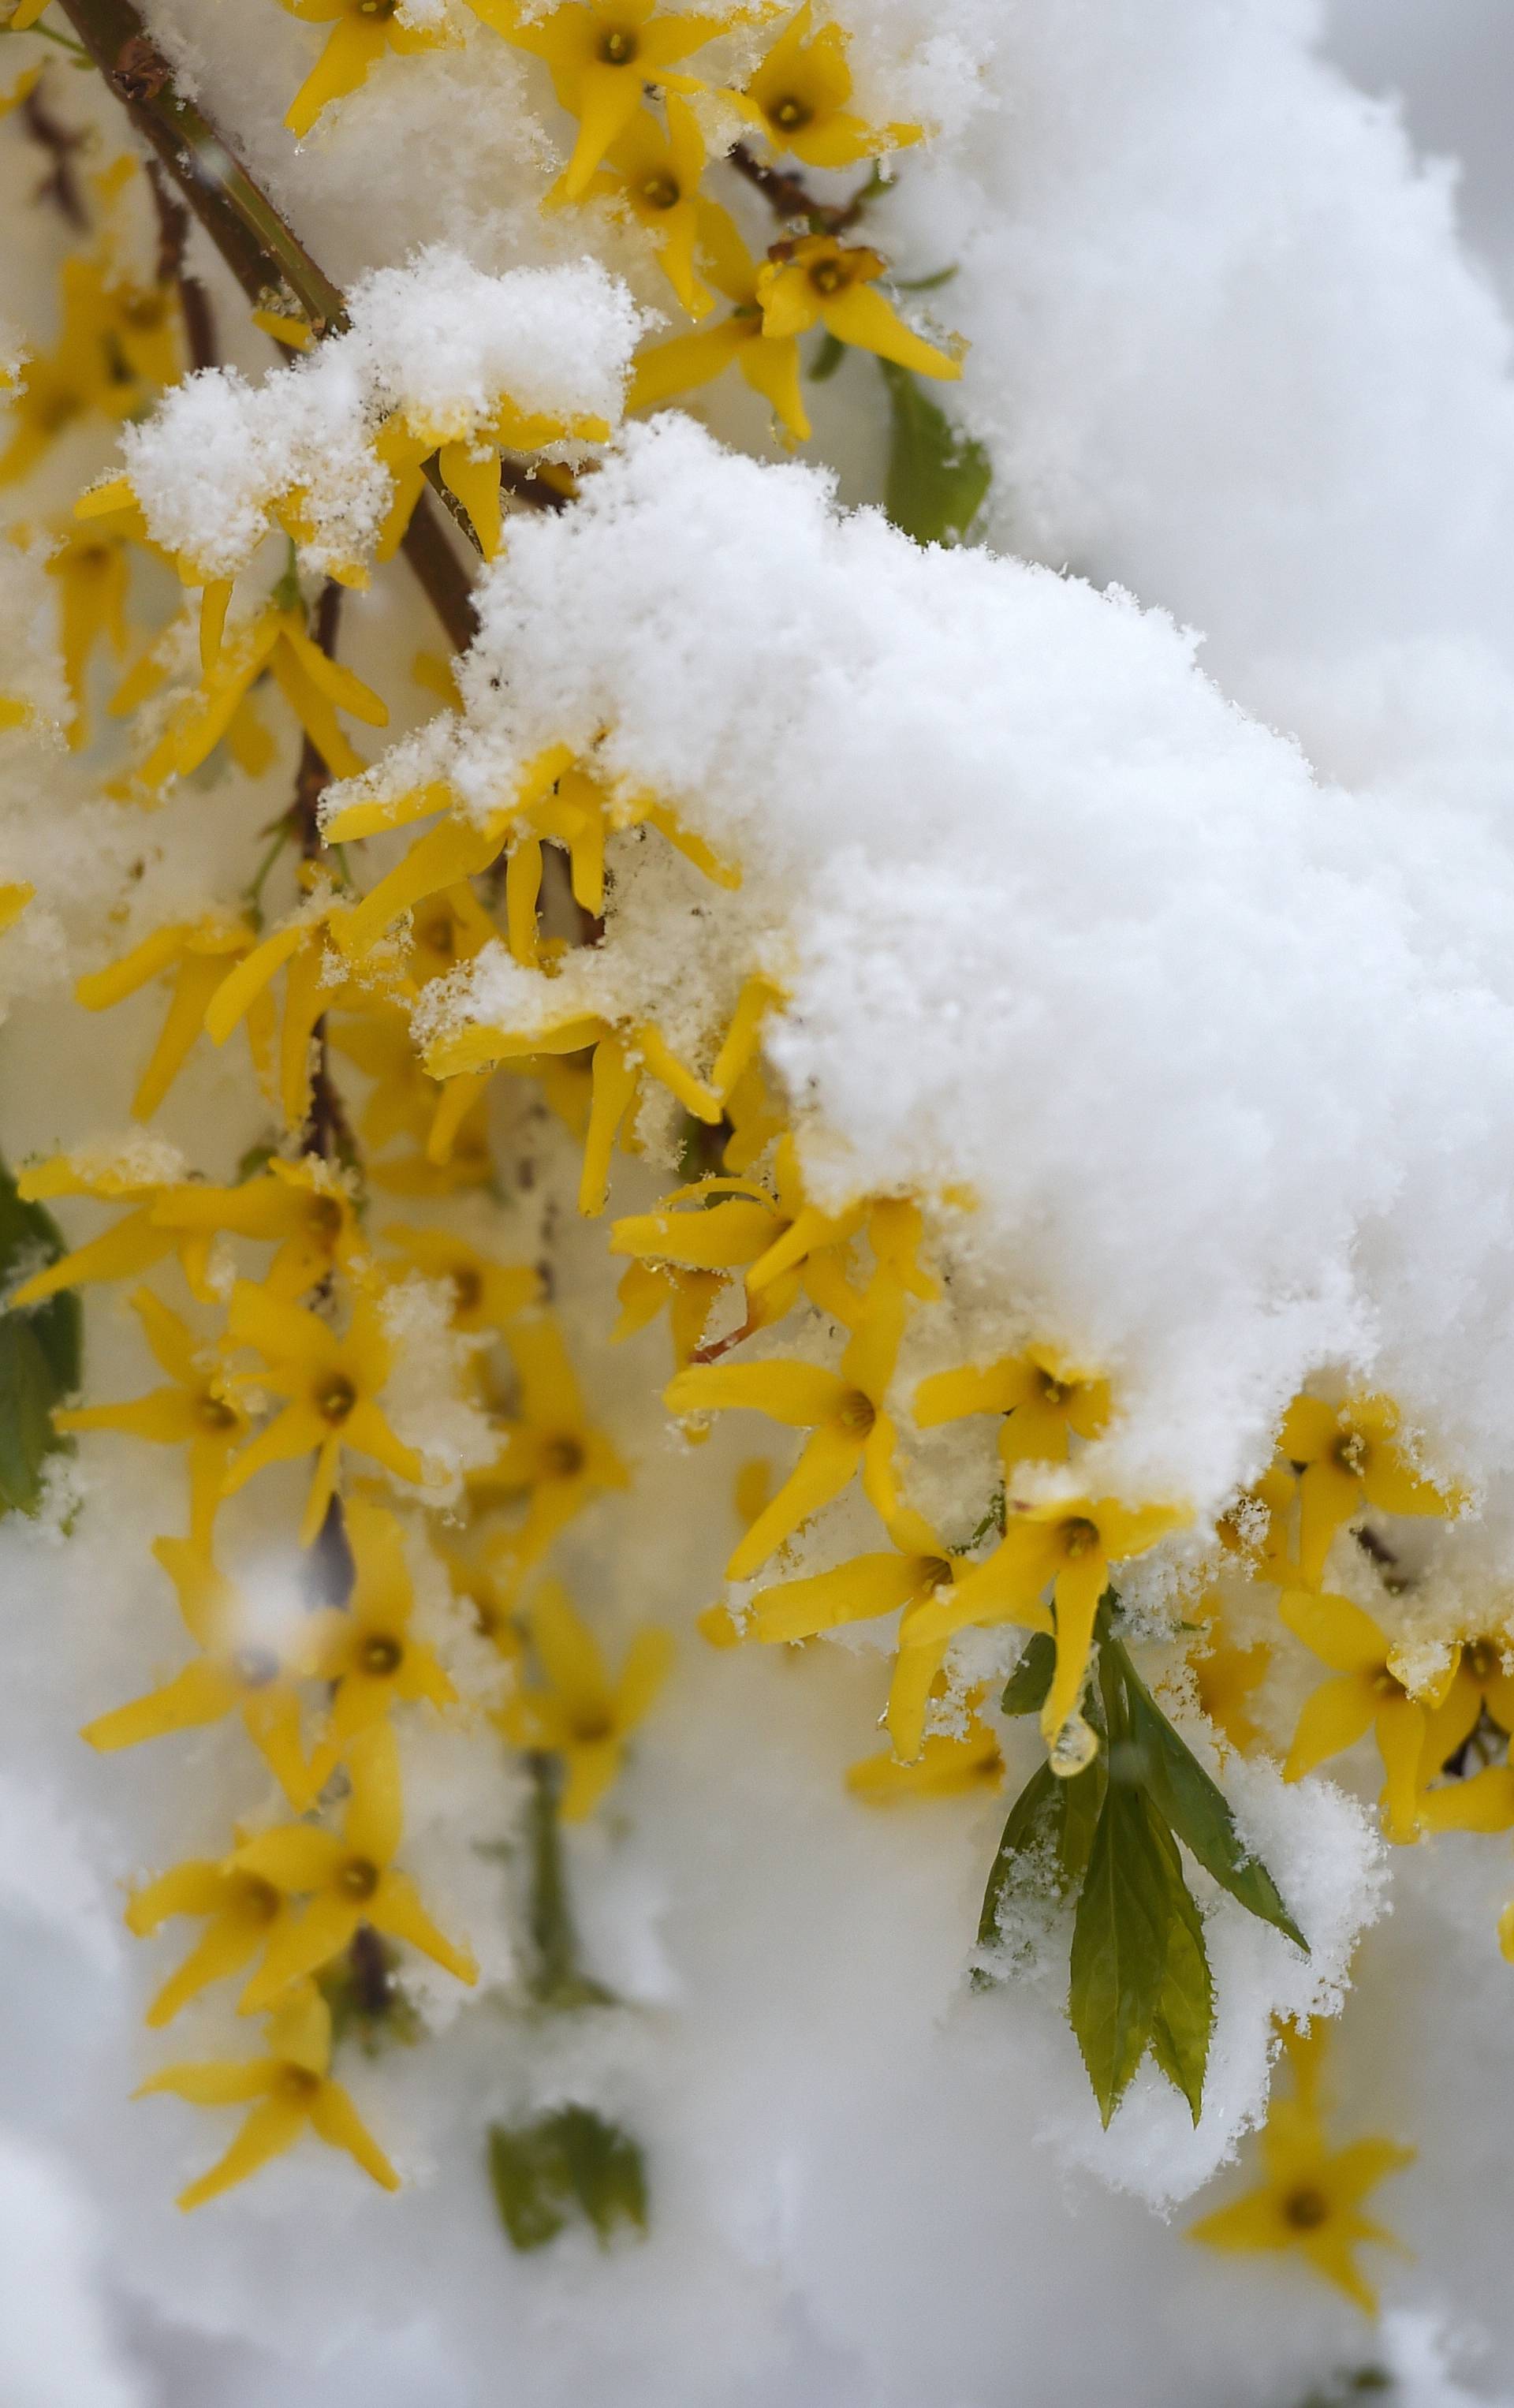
(569, 2162)
(937, 477)
(1139, 1973)
(39, 1351)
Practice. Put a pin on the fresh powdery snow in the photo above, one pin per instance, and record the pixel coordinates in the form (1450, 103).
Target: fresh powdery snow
(1137, 887)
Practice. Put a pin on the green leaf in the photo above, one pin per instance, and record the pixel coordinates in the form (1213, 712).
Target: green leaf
(1034, 1827)
(937, 476)
(1184, 2018)
(1187, 1799)
(1084, 1796)
(1119, 1944)
(568, 2160)
(606, 2169)
(1029, 1684)
(531, 2185)
(39, 1351)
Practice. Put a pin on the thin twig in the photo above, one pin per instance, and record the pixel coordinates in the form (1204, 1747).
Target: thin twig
(790, 198)
(60, 185)
(193, 298)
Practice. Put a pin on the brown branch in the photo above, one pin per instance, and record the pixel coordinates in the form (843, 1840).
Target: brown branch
(326, 1133)
(193, 298)
(61, 184)
(790, 198)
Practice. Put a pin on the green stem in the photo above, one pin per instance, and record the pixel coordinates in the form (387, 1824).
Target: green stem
(555, 1979)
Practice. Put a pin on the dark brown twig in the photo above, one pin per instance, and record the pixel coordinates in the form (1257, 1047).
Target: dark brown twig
(193, 298)
(326, 1133)
(791, 198)
(60, 185)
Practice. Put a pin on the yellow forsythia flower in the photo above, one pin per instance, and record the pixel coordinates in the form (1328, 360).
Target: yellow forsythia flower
(288, 2089)
(345, 1878)
(361, 32)
(798, 98)
(1310, 2196)
(582, 1714)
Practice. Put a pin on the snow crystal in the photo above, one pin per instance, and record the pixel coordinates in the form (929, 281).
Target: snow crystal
(436, 340)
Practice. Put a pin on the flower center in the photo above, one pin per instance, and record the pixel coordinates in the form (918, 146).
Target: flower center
(791, 113)
(357, 1878)
(214, 1413)
(467, 1289)
(935, 1573)
(1484, 1660)
(298, 2084)
(381, 1656)
(1349, 1453)
(377, 7)
(856, 1413)
(336, 1399)
(562, 1457)
(1079, 1537)
(828, 275)
(260, 1898)
(325, 1217)
(660, 193)
(255, 1666)
(441, 936)
(591, 1726)
(618, 47)
(1053, 1391)
(1386, 1685)
(1306, 2208)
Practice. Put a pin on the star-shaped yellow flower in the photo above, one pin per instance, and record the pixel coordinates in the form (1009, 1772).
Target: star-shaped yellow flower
(798, 98)
(332, 1384)
(739, 1225)
(768, 361)
(240, 1913)
(655, 177)
(93, 572)
(485, 1295)
(620, 1058)
(196, 954)
(303, 1208)
(582, 1714)
(1310, 2197)
(1071, 1546)
(951, 1764)
(196, 1412)
(815, 280)
(361, 32)
(345, 1878)
(315, 687)
(1366, 1694)
(600, 57)
(132, 1245)
(368, 1648)
(288, 2088)
(553, 1455)
(90, 367)
(845, 1411)
(1349, 1457)
(243, 1667)
(1043, 1399)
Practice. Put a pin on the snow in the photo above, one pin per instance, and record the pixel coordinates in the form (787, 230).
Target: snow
(1147, 874)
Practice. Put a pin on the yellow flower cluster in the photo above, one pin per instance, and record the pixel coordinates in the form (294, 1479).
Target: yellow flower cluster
(288, 1353)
